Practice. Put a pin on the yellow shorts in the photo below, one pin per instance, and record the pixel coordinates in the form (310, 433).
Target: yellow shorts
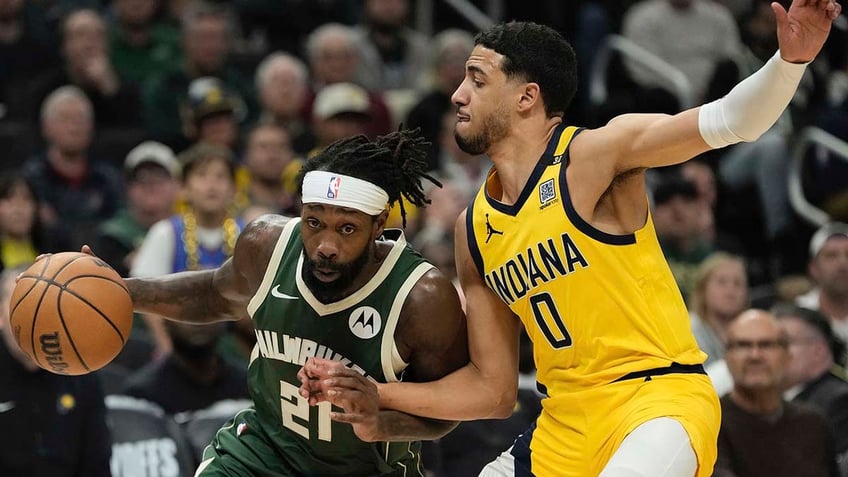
(577, 433)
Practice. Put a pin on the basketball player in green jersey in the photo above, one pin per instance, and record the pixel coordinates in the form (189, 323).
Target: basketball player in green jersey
(560, 237)
(332, 283)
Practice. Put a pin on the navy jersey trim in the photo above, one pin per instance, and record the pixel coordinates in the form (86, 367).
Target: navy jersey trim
(473, 248)
(530, 185)
(521, 453)
(574, 217)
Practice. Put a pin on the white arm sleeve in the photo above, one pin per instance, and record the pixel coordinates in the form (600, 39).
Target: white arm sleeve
(752, 106)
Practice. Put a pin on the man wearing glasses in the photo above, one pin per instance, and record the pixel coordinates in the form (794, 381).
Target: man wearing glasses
(761, 434)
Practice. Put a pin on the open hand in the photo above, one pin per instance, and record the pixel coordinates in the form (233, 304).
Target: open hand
(802, 31)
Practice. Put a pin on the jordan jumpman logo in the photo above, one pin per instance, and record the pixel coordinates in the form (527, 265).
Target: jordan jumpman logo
(490, 230)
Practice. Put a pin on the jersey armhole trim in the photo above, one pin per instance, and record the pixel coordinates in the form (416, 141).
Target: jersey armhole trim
(574, 217)
(473, 248)
(272, 267)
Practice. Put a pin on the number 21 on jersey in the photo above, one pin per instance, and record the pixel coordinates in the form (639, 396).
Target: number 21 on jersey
(295, 410)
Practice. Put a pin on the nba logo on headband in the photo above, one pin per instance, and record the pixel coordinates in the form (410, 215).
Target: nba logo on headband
(333, 189)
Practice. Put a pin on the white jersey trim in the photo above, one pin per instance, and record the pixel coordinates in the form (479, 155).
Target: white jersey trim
(393, 363)
(273, 265)
(375, 281)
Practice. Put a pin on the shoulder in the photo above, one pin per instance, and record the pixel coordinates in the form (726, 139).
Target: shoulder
(433, 285)
(256, 244)
(799, 412)
(264, 230)
(432, 306)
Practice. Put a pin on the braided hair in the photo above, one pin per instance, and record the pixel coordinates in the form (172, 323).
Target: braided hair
(395, 162)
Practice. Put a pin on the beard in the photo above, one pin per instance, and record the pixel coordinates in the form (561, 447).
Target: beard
(329, 292)
(495, 128)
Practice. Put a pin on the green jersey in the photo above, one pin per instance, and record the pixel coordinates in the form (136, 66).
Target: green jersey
(292, 325)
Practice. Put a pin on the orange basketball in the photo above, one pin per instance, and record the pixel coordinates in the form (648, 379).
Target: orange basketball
(71, 313)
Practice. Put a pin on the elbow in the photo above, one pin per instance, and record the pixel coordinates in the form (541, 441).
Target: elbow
(504, 406)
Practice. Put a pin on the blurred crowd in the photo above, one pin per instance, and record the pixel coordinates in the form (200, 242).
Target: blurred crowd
(154, 130)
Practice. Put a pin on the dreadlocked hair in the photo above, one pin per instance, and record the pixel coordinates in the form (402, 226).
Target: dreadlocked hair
(395, 162)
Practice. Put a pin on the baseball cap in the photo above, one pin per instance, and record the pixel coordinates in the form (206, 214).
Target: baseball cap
(151, 152)
(208, 96)
(824, 233)
(340, 98)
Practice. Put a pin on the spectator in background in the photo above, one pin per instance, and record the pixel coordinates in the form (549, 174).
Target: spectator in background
(700, 173)
(86, 64)
(22, 237)
(282, 82)
(207, 31)
(212, 113)
(76, 191)
(815, 374)
(151, 174)
(761, 434)
(690, 35)
(27, 48)
(447, 69)
(202, 235)
(828, 268)
(465, 171)
(142, 47)
(268, 177)
(340, 110)
(193, 375)
(720, 293)
(393, 55)
(57, 423)
(677, 214)
(334, 57)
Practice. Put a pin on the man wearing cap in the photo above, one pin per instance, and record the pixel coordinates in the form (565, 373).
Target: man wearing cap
(150, 177)
(212, 113)
(207, 32)
(828, 268)
(340, 110)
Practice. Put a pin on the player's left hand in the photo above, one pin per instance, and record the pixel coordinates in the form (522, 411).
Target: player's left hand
(802, 31)
(311, 375)
(349, 390)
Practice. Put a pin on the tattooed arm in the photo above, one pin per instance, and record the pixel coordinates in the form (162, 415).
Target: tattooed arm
(212, 295)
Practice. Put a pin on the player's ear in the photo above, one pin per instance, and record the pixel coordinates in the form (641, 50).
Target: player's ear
(380, 223)
(529, 96)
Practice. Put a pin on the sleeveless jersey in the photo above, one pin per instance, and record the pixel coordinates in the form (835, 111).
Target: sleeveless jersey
(596, 306)
(292, 325)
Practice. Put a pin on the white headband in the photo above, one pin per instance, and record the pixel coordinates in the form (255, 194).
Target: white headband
(324, 187)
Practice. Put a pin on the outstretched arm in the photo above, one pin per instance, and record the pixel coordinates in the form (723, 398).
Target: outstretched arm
(211, 295)
(635, 141)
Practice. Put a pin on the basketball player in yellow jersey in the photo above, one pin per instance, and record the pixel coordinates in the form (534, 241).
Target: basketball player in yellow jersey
(561, 237)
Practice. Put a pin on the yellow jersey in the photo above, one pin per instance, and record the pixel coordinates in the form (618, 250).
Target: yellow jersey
(596, 306)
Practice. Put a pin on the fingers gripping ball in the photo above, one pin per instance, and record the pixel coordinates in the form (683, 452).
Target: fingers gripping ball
(71, 313)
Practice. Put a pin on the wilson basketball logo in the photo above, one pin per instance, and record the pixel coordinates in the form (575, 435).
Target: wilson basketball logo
(52, 350)
(333, 189)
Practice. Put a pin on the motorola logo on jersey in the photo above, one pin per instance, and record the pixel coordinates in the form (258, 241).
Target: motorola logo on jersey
(365, 322)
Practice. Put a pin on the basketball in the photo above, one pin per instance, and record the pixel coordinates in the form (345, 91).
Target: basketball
(71, 313)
